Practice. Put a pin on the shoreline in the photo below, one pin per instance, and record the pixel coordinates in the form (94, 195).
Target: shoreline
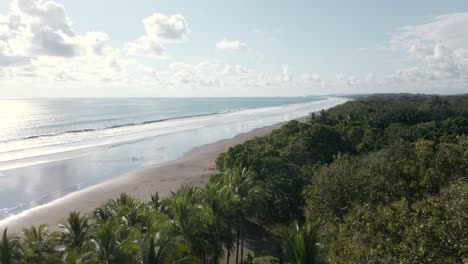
(164, 178)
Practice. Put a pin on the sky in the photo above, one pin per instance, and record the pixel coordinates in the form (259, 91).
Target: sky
(89, 48)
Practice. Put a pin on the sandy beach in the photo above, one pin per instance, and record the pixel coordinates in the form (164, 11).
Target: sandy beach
(163, 178)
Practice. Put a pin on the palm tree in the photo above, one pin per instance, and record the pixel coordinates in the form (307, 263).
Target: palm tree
(324, 117)
(103, 213)
(127, 209)
(189, 193)
(191, 219)
(158, 204)
(40, 246)
(158, 244)
(299, 244)
(161, 248)
(74, 231)
(10, 249)
(223, 203)
(113, 243)
(241, 182)
(80, 256)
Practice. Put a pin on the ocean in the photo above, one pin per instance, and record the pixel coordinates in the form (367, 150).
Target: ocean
(52, 147)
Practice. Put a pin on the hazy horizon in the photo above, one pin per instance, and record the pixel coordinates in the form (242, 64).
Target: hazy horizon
(233, 97)
(98, 49)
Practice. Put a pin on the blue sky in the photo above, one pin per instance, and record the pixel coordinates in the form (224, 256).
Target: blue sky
(231, 48)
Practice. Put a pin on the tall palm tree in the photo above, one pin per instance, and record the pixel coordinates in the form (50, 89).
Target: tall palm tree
(10, 249)
(40, 246)
(190, 194)
(151, 219)
(191, 219)
(127, 209)
(242, 183)
(74, 231)
(80, 256)
(158, 244)
(223, 203)
(158, 204)
(299, 244)
(113, 243)
(161, 248)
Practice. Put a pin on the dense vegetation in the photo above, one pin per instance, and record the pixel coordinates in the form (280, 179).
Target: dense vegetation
(385, 177)
(380, 179)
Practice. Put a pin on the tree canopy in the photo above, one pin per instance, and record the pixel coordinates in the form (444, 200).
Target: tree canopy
(379, 179)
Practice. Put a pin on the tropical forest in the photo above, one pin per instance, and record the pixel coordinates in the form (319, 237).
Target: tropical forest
(379, 179)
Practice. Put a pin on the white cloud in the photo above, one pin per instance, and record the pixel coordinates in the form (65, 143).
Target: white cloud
(169, 28)
(440, 47)
(353, 81)
(226, 45)
(450, 30)
(437, 55)
(205, 73)
(286, 75)
(45, 26)
(219, 77)
(64, 76)
(147, 71)
(233, 70)
(160, 30)
(36, 28)
(437, 52)
(95, 42)
(311, 77)
(6, 60)
(37, 41)
(9, 59)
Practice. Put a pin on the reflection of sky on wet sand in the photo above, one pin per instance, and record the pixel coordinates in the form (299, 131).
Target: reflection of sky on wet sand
(30, 186)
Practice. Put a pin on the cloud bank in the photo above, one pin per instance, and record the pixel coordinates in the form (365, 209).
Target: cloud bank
(38, 44)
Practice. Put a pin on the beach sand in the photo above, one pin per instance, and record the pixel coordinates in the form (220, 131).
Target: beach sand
(163, 178)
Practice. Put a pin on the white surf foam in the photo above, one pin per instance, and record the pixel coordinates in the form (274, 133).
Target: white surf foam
(16, 154)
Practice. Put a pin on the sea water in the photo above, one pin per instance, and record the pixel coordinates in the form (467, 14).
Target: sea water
(52, 147)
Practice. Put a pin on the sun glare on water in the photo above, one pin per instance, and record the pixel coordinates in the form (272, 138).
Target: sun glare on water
(13, 113)
(14, 107)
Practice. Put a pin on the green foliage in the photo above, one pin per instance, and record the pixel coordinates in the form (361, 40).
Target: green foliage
(378, 121)
(298, 244)
(113, 243)
(192, 220)
(41, 246)
(276, 161)
(75, 231)
(384, 176)
(432, 230)
(403, 171)
(10, 249)
(337, 187)
(403, 199)
(160, 247)
(260, 258)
